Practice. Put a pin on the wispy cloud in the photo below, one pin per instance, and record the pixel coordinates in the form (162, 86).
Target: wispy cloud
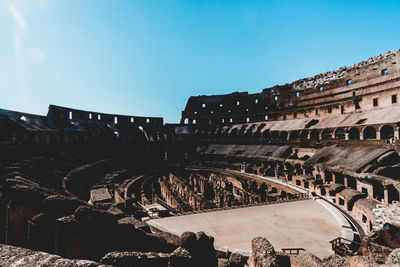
(19, 43)
(18, 18)
(36, 55)
(22, 54)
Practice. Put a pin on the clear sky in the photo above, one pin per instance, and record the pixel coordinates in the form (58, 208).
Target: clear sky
(147, 57)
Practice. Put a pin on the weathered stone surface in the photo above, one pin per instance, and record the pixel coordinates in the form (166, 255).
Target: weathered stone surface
(128, 259)
(335, 260)
(16, 256)
(236, 260)
(360, 261)
(91, 216)
(394, 257)
(188, 241)
(172, 241)
(263, 253)
(305, 259)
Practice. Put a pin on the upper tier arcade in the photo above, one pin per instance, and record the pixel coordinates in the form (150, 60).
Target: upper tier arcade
(368, 85)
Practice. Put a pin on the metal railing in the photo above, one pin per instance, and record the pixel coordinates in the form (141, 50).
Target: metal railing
(292, 251)
(344, 247)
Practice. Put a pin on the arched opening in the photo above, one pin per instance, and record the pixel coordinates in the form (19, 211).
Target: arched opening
(323, 191)
(270, 172)
(294, 135)
(297, 169)
(339, 178)
(340, 133)
(378, 191)
(351, 182)
(328, 177)
(283, 136)
(304, 135)
(393, 194)
(234, 132)
(387, 132)
(254, 187)
(364, 218)
(327, 134)
(274, 135)
(266, 134)
(354, 134)
(314, 135)
(369, 133)
(263, 191)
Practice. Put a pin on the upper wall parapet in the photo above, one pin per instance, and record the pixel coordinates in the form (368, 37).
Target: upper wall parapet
(348, 89)
(363, 67)
(112, 119)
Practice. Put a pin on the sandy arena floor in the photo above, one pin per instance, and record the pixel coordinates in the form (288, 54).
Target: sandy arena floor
(302, 224)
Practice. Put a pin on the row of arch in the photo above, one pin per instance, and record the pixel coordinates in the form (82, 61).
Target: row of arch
(354, 133)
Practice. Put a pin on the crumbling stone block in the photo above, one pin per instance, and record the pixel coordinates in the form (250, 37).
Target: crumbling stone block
(263, 253)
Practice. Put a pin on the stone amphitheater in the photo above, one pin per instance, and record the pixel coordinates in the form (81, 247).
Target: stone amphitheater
(301, 174)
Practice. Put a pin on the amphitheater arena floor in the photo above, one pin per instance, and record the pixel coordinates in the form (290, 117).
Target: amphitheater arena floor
(300, 224)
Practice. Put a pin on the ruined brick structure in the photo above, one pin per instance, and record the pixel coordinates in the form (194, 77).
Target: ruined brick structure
(83, 185)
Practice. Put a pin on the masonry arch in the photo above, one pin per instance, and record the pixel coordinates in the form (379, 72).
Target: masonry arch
(314, 135)
(304, 135)
(354, 133)
(340, 134)
(283, 135)
(327, 134)
(274, 135)
(386, 132)
(369, 133)
(234, 132)
(393, 193)
(294, 135)
(266, 134)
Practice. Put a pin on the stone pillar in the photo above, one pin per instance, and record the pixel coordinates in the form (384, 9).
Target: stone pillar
(322, 173)
(378, 135)
(396, 132)
(346, 136)
(333, 178)
(386, 195)
(345, 181)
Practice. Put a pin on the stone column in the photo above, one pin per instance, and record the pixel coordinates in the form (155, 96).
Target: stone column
(396, 132)
(386, 195)
(322, 173)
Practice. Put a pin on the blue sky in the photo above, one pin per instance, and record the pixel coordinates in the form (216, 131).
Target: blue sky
(147, 57)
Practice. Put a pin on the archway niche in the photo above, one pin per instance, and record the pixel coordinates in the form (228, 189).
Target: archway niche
(354, 134)
(327, 134)
(369, 133)
(387, 132)
(314, 135)
(340, 134)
